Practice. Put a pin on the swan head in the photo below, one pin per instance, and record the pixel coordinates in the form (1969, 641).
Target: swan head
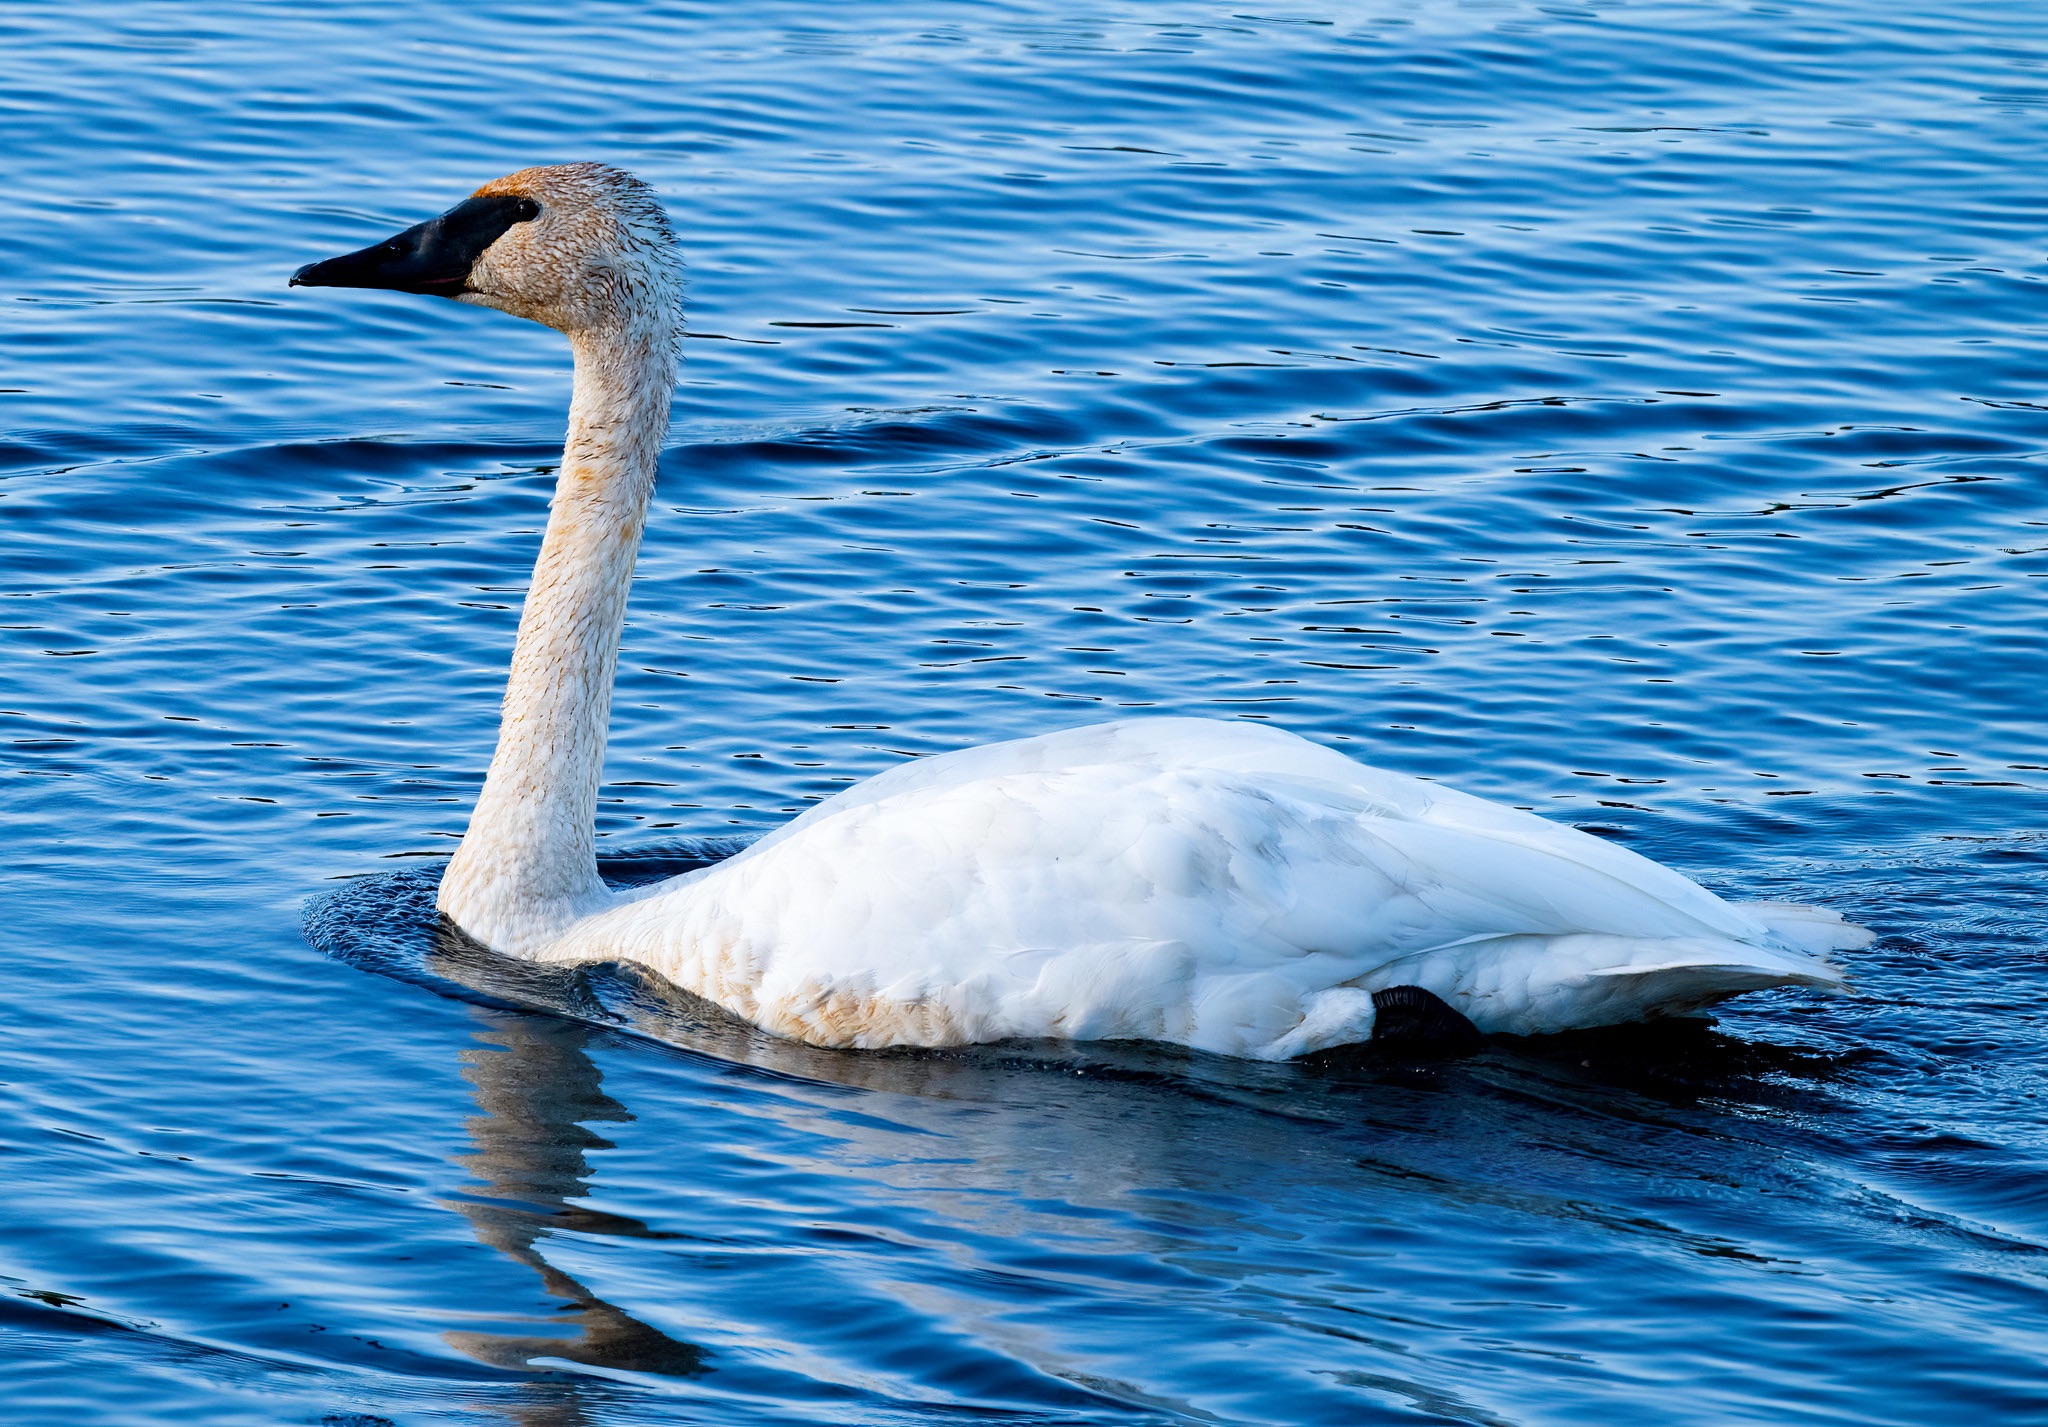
(582, 248)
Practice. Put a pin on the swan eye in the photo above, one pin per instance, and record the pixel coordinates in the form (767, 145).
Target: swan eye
(525, 211)
(394, 246)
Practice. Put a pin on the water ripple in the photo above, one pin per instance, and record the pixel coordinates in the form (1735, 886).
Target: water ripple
(1626, 412)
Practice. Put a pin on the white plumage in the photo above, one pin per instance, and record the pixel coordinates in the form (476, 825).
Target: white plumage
(1221, 885)
(1226, 886)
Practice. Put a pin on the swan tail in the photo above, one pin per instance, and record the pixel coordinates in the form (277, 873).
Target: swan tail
(1687, 988)
(1539, 985)
(1810, 929)
(1710, 971)
(1686, 984)
(1684, 978)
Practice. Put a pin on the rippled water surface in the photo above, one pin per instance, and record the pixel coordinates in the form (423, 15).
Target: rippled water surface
(1631, 411)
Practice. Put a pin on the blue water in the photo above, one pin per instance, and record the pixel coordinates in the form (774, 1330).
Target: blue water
(1636, 412)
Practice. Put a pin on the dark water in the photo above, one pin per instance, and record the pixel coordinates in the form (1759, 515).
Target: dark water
(1636, 412)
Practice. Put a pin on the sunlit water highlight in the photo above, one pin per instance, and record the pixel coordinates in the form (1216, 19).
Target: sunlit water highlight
(1633, 412)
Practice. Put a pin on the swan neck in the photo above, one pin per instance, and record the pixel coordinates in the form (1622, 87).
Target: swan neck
(527, 866)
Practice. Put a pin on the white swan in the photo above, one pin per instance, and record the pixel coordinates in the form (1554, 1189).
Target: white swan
(1222, 885)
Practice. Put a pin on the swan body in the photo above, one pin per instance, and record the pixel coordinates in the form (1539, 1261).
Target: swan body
(1222, 885)
(1226, 886)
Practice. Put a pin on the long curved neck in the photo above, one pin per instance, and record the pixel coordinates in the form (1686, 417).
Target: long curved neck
(527, 866)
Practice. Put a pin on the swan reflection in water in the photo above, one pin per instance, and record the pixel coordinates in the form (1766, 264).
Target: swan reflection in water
(538, 1092)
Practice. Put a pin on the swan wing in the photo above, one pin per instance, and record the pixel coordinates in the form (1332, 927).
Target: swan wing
(1221, 885)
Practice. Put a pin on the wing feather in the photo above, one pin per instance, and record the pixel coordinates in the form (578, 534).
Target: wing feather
(1204, 882)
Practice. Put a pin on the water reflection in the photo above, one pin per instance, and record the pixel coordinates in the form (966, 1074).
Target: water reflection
(539, 1092)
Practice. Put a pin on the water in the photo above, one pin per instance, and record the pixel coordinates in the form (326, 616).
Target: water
(1633, 412)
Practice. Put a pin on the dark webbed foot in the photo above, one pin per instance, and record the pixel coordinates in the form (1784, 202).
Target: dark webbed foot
(1412, 1021)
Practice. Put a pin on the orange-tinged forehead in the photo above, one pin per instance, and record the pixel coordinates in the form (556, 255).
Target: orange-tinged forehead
(523, 182)
(541, 179)
(590, 190)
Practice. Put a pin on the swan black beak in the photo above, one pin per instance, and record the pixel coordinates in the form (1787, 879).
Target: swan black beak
(433, 257)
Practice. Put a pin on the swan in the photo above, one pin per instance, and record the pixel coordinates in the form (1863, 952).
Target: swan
(1222, 885)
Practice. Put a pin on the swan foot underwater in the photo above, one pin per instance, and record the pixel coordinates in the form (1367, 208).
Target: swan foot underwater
(1226, 886)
